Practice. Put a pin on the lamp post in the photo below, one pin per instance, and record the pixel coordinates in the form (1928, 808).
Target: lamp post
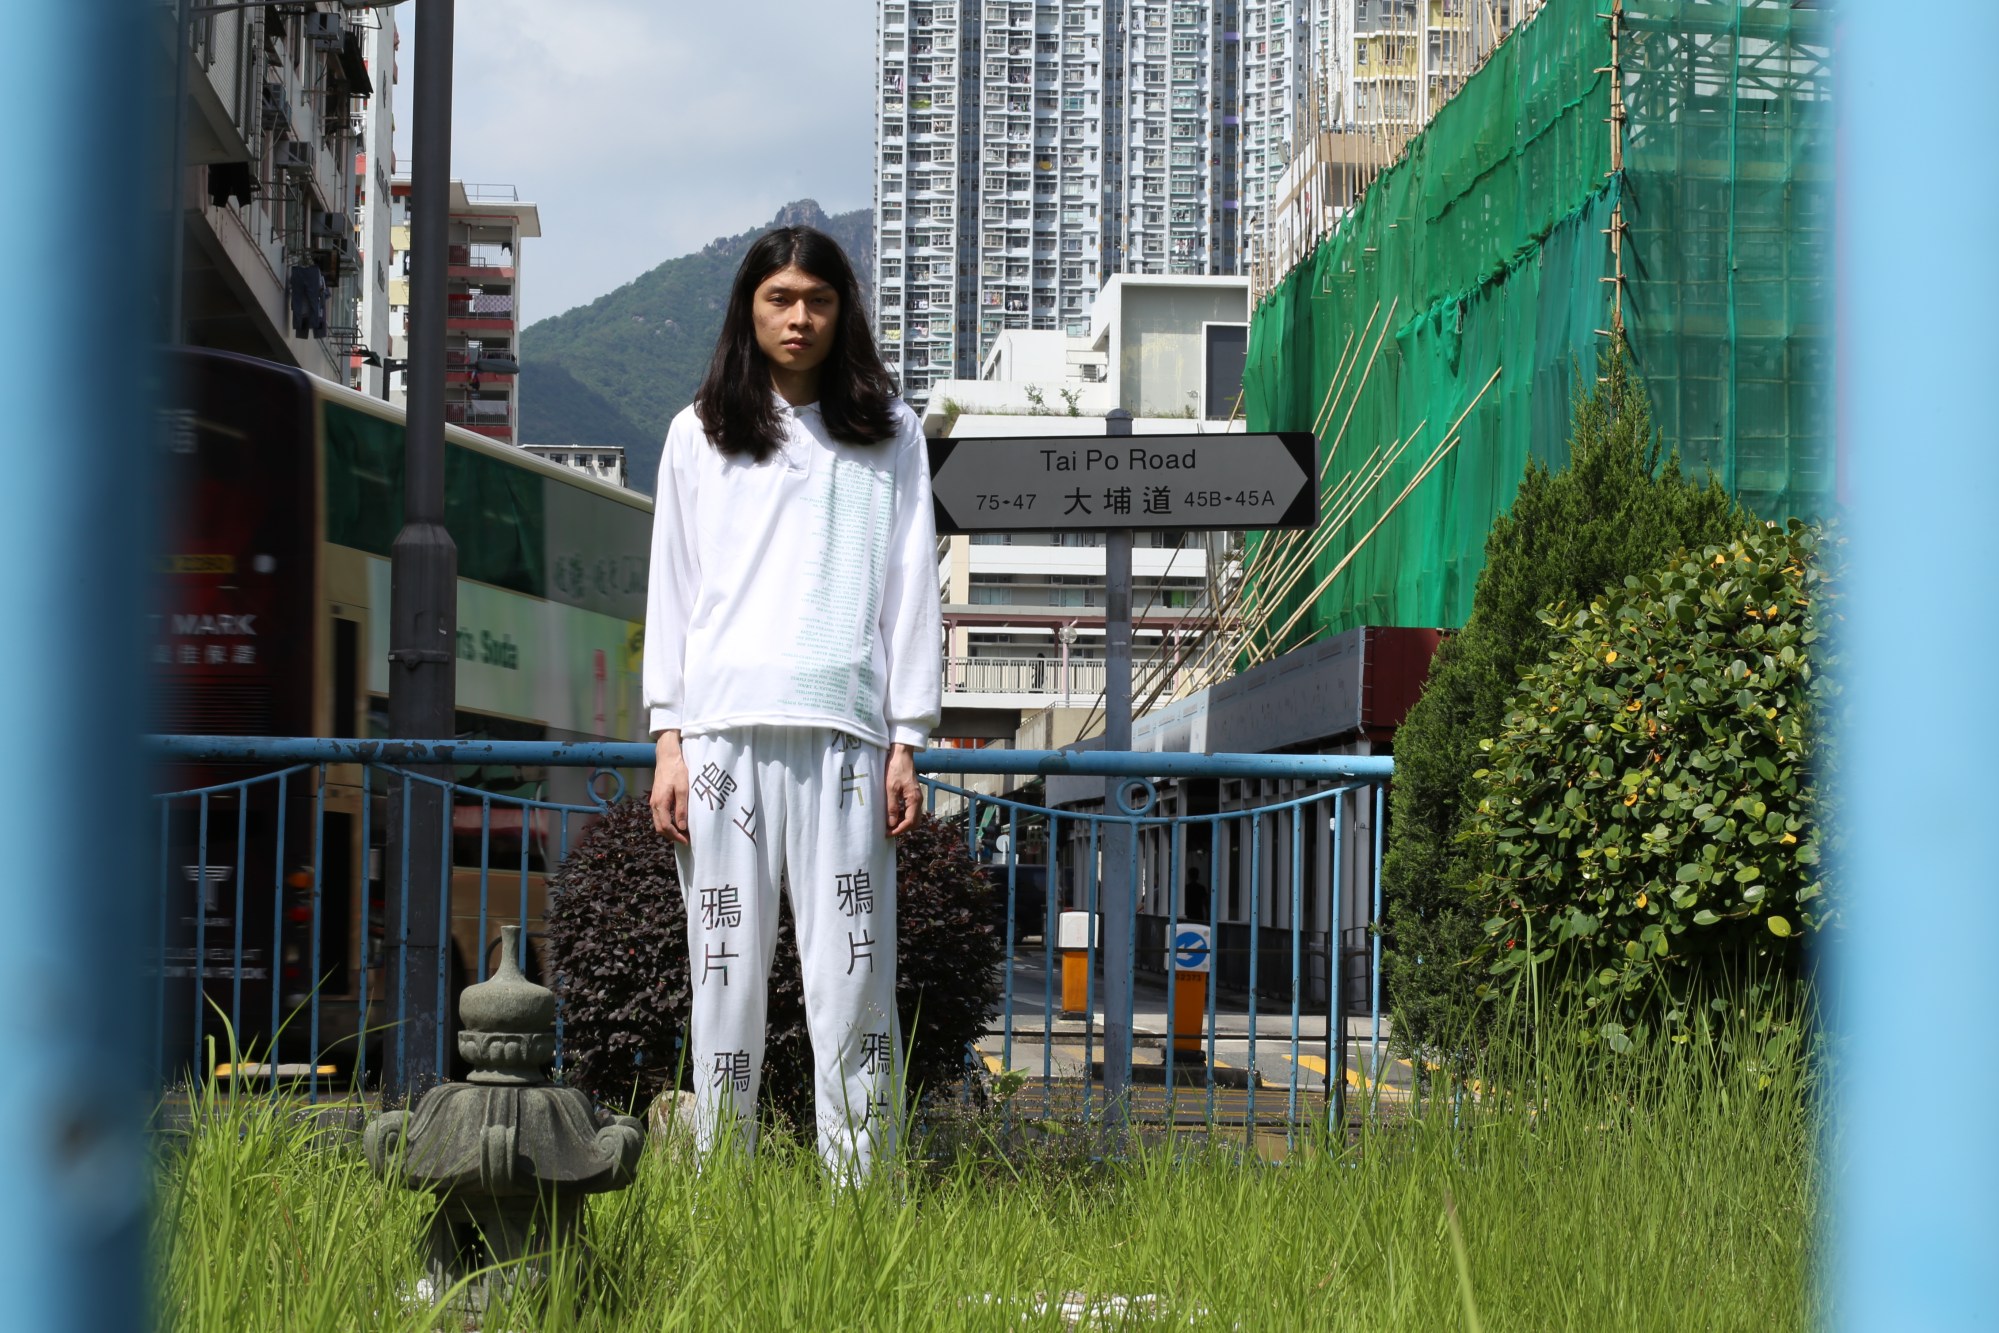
(389, 365)
(423, 584)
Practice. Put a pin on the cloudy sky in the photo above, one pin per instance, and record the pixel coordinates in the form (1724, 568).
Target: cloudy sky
(644, 129)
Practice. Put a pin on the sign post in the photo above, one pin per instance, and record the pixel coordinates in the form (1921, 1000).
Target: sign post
(1115, 484)
(1119, 907)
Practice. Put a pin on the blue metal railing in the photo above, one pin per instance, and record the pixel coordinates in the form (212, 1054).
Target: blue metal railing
(288, 894)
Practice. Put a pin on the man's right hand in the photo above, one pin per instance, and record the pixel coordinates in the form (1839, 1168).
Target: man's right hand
(669, 789)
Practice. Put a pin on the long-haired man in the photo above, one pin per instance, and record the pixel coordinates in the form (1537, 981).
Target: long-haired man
(793, 666)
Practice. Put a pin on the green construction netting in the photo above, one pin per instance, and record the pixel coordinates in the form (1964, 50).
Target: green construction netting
(1728, 196)
(1472, 284)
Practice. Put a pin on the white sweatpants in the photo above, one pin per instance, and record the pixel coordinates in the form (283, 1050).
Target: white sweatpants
(805, 803)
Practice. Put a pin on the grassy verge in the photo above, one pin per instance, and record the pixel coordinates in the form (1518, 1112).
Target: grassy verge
(1670, 1188)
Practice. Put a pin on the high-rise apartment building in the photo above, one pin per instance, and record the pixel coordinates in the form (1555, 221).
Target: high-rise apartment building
(1280, 42)
(1026, 150)
(1332, 90)
(482, 313)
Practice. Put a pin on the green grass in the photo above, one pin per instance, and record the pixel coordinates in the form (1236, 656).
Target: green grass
(1671, 1187)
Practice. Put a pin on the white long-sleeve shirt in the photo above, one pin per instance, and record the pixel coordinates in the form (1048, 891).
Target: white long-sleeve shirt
(799, 591)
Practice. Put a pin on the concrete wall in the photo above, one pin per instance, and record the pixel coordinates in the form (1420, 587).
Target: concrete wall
(1159, 357)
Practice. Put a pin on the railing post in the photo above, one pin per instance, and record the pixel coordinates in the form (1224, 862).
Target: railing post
(1916, 1217)
(77, 329)
(1118, 868)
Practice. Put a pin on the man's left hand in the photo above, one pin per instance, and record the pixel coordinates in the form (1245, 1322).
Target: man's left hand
(905, 797)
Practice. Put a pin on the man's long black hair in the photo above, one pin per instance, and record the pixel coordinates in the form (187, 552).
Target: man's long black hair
(736, 402)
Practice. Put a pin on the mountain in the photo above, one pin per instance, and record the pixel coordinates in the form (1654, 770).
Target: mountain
(616, 371)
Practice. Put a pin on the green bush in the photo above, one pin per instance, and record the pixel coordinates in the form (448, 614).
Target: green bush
(1617, 508)
(1649, 809)
(617, 934)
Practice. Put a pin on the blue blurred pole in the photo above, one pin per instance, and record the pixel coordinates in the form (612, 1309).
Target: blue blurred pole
(1916, 1177)
(76, 305)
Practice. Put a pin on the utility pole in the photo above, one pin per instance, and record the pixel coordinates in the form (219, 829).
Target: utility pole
(423, 590)
(1115, 897)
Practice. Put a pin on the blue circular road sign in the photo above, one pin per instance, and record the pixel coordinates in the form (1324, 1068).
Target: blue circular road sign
(1190, 949)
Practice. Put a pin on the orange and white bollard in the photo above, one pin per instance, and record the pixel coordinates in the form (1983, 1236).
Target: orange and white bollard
(1072, 937)
(1189, 956)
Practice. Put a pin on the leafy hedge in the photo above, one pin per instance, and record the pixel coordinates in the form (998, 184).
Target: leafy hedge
(617, 935)
(1649, 806)
(1617, 508)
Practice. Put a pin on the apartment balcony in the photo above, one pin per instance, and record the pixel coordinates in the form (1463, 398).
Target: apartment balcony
(470, 311)
(478, 264)
(486, 416)
(1029, 683)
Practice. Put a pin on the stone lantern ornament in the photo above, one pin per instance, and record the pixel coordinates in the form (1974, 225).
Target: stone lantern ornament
(509, 1156)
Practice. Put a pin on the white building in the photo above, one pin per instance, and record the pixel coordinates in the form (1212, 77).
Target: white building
(280, 105)
(1025, 151)
(482, 320)
(374, 168)
(1023, 612)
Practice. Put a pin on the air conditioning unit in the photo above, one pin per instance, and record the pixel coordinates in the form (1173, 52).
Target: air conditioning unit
(326, 31)
(295, 156)
(331, 224)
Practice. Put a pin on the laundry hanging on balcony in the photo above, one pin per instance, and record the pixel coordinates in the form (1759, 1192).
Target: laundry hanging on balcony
(231, 180)
(306, 289)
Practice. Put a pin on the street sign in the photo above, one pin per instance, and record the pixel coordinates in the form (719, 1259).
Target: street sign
(1095, 483)
(1190, 949)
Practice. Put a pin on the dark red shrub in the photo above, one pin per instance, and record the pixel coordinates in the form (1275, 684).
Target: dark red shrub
(617, 941)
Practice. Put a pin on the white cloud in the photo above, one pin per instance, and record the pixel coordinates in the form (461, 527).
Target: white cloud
(643, 129)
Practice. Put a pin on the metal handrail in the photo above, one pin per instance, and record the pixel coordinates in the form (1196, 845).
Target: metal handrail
(622, 754)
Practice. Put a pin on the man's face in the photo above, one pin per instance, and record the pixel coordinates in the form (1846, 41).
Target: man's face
(796, 315)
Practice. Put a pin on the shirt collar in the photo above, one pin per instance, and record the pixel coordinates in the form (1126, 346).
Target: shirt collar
(783, 406)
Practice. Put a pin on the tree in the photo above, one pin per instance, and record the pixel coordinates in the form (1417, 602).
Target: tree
(1620, 507)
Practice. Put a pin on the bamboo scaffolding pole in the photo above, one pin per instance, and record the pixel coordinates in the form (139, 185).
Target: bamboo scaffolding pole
(1354, 400)
(1276, 548)
(1336, 385)
(1331, 528)
(1256, 611)
(1269, 649)
(1268, 605)
(1333, 512)
(1451, 436)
